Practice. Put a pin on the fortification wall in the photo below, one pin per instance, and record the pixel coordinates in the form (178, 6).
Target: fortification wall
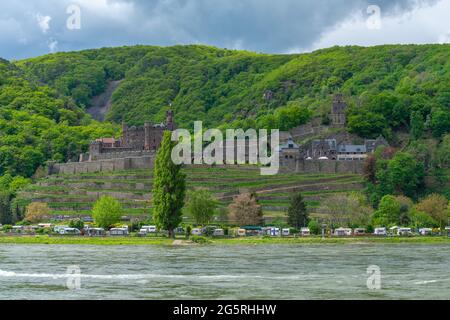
(127, 163)
(147, 162)
(322, 166)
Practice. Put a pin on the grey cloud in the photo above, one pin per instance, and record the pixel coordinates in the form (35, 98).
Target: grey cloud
(257, 25)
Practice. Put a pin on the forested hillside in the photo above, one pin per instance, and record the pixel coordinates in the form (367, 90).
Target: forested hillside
(390, 89)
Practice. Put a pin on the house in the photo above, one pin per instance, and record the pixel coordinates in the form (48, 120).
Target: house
(351, 152)
(304, 232)
(342, 232)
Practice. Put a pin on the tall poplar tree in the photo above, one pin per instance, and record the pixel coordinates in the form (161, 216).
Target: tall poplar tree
(169, 188)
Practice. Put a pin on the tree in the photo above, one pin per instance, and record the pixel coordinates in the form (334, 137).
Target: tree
(107, 211)
(347, 210)
(314, 227)
(6, 216)
(369, 168)
(435, 205)
(77, 224)
(388, 211)
(169, 188)
(440, 122)
(297, 213)
(36, 212)
(405, 173)
(417, 125)
(201, 205)
(245, 210)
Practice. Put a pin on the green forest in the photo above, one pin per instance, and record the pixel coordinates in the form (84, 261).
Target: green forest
(393, 90)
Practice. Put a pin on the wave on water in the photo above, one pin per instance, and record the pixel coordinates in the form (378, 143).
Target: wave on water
(12, 274)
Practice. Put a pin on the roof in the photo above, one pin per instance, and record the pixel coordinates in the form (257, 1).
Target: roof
(352, 148)
(106, 140)
(290, 144)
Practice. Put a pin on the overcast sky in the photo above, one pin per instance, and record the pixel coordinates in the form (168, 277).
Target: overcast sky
(34, 27)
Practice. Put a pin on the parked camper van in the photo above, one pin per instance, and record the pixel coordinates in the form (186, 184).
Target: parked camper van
(218, 233)
(342, 232)
(149, 229)
(197, 232)
(305, 232)
(425, 231)
(285, 232)
(404, 232)
(380, 232)
(359, 231)
(123, 231)
(241, 232)
(69, 231)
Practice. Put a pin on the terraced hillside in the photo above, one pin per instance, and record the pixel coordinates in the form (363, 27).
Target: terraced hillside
(73, 195)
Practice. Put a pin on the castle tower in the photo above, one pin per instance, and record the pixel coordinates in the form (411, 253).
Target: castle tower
(123, 139)
(147, 133)
(170, 125)
(338, 110)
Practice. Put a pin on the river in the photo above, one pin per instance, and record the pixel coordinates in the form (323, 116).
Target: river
(407, 271)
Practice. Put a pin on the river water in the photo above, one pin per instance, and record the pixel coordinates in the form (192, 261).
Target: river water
(225, 272)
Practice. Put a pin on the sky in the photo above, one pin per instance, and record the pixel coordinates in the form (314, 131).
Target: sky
(30, 28)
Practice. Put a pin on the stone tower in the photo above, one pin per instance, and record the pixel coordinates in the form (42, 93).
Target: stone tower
(169, 120)
(338, 110)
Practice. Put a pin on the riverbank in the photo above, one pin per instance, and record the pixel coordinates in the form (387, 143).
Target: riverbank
(215, 241)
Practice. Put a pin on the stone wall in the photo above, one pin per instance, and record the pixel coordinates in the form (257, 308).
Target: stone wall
(322, 166)
(146, 162)
(128, 163)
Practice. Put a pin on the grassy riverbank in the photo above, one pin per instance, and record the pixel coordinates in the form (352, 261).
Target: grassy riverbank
(232, 241)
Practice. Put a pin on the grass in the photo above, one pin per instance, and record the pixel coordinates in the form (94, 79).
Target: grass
(224, 241)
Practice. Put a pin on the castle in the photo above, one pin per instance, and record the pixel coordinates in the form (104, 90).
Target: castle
(334, 152)
(134, 141)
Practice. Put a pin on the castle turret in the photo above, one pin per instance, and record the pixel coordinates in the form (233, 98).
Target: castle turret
(338, 110)
(147, 133)
(170, 125)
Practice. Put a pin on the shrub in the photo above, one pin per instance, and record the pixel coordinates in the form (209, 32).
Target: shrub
(314, 227)
(199, 239)
(107, 211)
(36, 212)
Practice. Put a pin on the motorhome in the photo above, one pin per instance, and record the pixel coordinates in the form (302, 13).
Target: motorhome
(123, 231)
(149, 229)
(342, 232)
(404, 232)
(69, 231)
(218, 233)
(304, 232)
(425, 231)
(380, 232)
